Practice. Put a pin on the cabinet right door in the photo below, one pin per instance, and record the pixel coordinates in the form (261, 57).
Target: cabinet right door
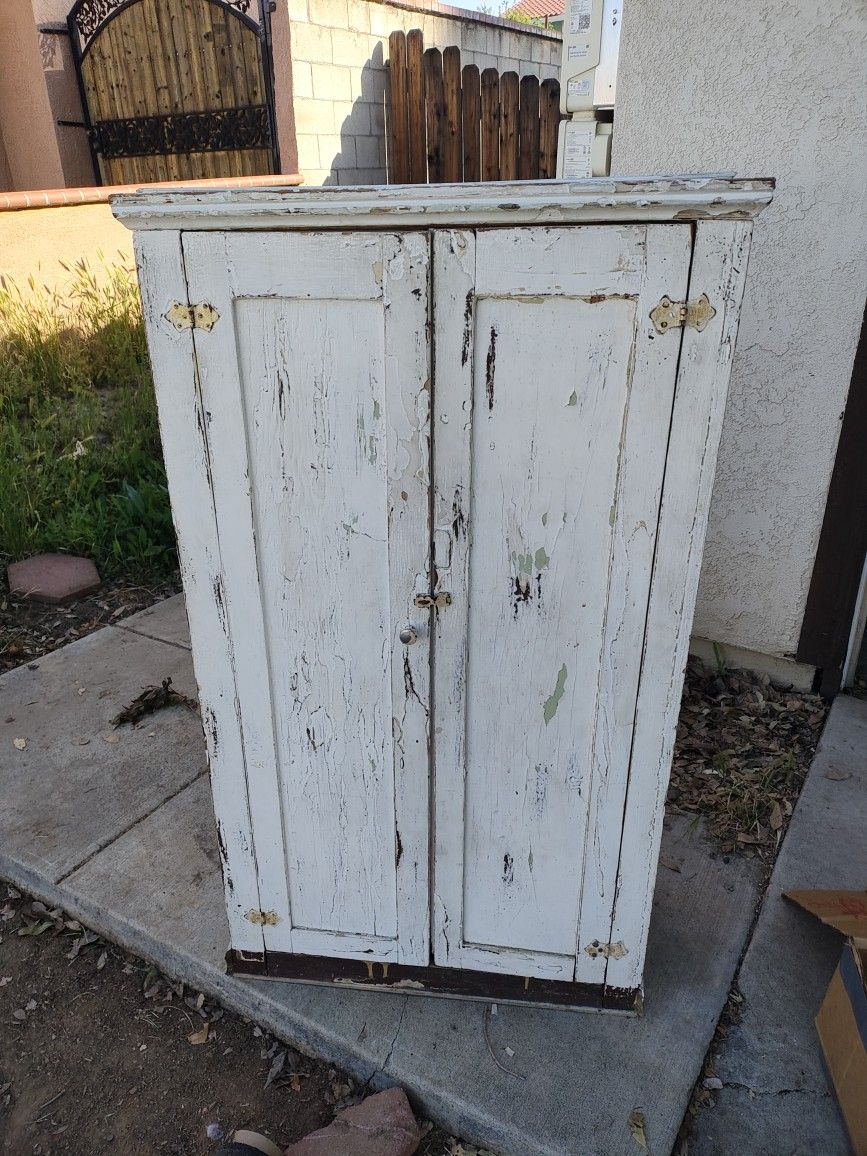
(553, 399)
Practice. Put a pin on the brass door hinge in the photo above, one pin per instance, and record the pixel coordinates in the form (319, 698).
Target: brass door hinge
(609, 950)
(262, 918)
(433, 601)
(670, 314)
(202, 316)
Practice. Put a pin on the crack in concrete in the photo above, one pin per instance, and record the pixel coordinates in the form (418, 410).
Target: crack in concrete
(91, 855)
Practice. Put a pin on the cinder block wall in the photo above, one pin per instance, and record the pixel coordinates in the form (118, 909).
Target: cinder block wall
(339, 52)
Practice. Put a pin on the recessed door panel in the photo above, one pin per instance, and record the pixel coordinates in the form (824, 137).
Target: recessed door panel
(552, 411)
(315, 383)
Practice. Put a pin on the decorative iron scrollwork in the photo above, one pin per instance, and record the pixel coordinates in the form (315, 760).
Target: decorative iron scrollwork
(90, 15)
(220, 130)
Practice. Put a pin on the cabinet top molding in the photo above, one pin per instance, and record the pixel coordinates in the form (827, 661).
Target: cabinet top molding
(598, 200)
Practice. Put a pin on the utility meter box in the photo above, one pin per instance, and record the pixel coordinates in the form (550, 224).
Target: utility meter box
(440, 461)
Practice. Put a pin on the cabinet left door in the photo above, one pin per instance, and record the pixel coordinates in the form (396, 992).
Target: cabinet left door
(296, 434)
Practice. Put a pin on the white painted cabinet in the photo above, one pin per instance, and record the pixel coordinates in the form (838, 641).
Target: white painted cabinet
(440, 463)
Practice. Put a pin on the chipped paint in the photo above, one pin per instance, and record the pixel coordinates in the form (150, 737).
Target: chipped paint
(573, 398)
(551, 703)
(490, 367)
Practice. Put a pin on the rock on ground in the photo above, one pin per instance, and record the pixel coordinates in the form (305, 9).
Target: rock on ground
(53, 577)
(381, 1125)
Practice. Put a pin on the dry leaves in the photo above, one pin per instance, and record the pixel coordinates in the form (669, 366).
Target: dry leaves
(743, 750)
(638, 1127)
(200, 1036)
(151, 699)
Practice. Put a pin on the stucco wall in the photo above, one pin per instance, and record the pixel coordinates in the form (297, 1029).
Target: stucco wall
(773, 89)
(339, 49)
(26, 119)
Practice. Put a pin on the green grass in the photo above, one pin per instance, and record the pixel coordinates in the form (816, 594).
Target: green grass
(81, 468)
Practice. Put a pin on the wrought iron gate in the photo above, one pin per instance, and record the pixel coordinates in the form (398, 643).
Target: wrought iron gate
(175, 89)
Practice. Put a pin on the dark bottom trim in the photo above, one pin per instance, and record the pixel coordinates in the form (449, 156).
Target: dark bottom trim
(444, 981)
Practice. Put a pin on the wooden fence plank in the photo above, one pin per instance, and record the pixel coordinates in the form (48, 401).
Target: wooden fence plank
(417, 133)
(509, 126)
(528, 129)
(398, 148)
(436, 114)
(549, 123)
(446, 123)
(490, 129)
(452, 149)
(471, 116)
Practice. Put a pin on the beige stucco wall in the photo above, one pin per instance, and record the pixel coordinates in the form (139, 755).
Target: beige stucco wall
(26, 118)
(773, 89)
(338, 54)
(62, 88)
(39, 242)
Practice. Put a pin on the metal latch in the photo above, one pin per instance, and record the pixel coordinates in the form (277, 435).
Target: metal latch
(202, 316)
(433, 601)
(262, 918)
(670, 314)
(609, 950)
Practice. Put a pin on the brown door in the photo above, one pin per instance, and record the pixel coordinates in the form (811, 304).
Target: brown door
(175, 89)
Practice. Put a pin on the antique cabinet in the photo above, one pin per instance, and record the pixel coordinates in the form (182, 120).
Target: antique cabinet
(440, 460)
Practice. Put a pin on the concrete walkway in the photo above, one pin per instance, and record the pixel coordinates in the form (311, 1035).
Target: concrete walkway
(117, 828)
(776, 1100)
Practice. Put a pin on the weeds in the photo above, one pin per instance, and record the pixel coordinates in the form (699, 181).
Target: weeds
(80, 462)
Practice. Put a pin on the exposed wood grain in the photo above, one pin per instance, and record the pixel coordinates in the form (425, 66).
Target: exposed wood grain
(471, 117)
(416, 126)
(509, 126)
(435, 110)
(549, 122)
(398, 142)
(528, 130)
(452, 148)
(490, 132)
(158, 57)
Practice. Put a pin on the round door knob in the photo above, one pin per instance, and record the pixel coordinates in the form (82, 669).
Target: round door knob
(408, 636)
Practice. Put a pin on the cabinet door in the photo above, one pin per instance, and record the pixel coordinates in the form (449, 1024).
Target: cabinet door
(314, 395)
(553, 404)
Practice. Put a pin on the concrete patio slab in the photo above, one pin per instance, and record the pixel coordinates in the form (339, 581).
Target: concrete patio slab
(79, 783)
(776, 1100)
(165, 622)
(147, 876)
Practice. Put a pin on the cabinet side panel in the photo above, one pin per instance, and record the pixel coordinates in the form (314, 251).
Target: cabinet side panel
(187, 457)
(718, 269)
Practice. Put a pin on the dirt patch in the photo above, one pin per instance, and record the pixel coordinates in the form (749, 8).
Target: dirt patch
(31, 629)
(96, 1055)
(743, 750)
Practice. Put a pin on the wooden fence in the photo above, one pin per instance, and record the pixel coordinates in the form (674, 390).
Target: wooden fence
(448, 123)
